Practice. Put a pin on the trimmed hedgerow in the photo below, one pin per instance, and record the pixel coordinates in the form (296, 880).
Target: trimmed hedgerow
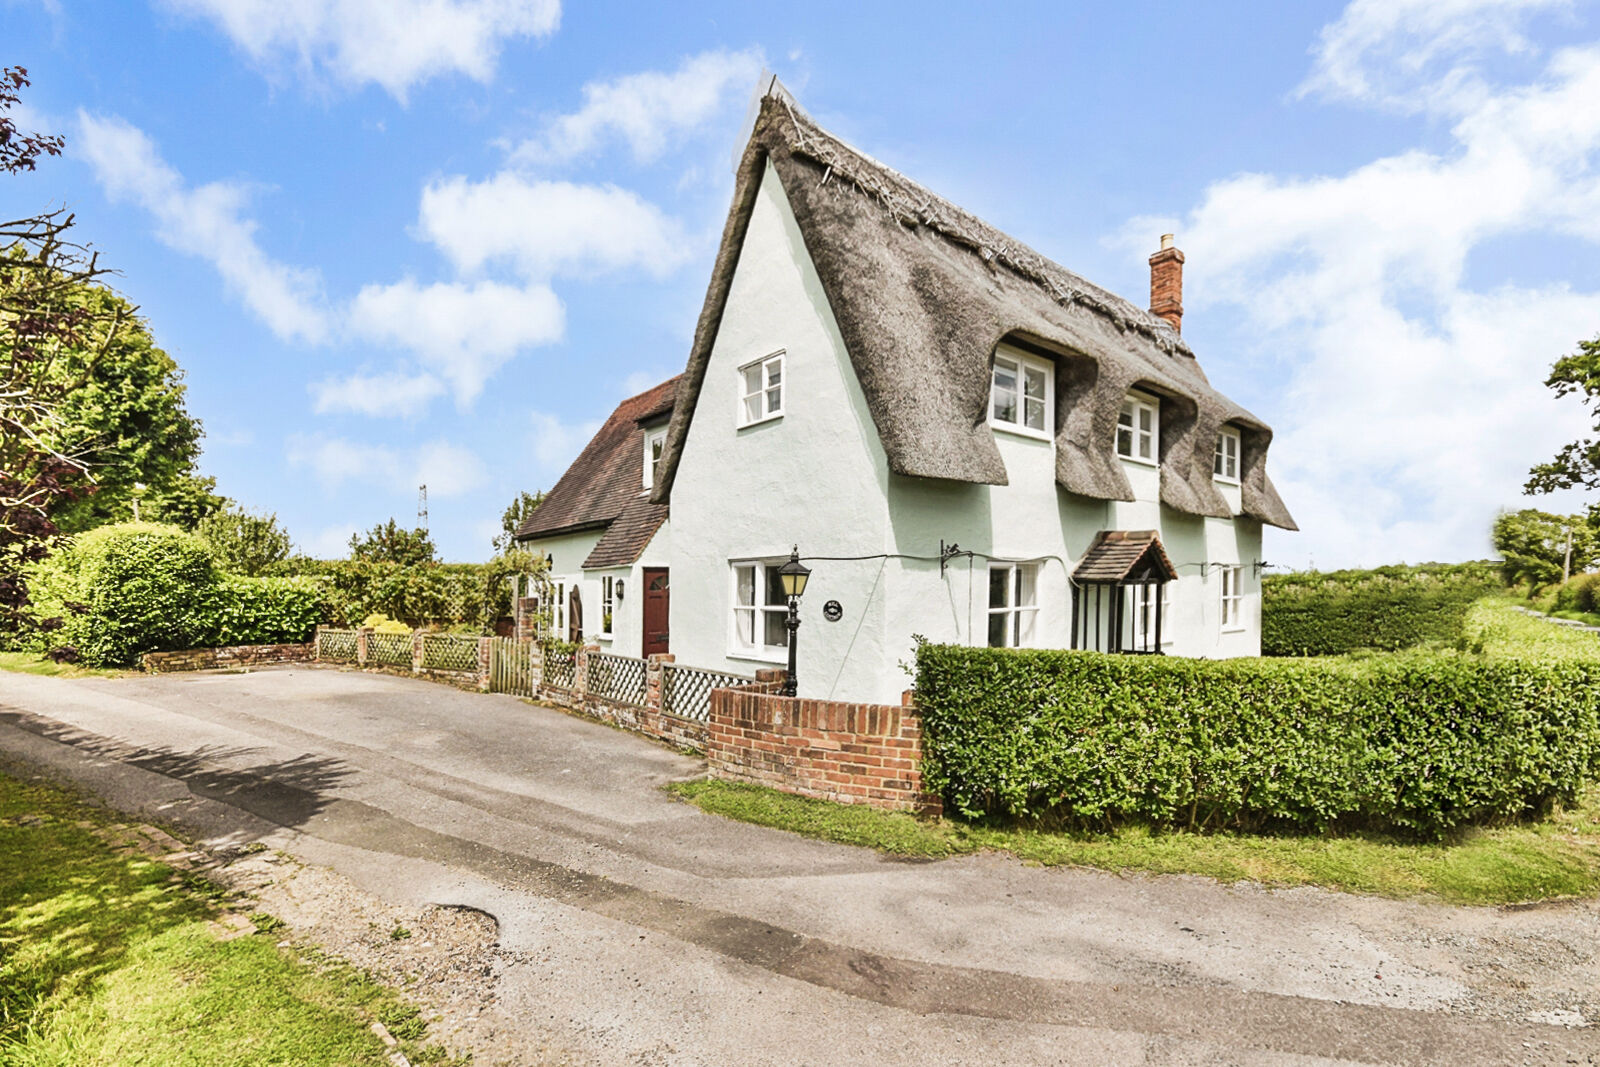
(1417, 744)
(263, 611)
(1330, 613)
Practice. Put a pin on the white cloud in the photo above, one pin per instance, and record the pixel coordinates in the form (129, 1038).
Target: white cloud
(545, 228)
(462, 332)
(1416, 55)
(446, 469)
(393, 43)
(1413, 403)
(331, 542)
(556, 443)
(648, 110)
(361, 394)
(208, 221)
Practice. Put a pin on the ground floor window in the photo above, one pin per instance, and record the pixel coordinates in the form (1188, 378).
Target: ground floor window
(760, 610)
(1149, 613)
(1013, 604)
(607, 602)
(1232, 597)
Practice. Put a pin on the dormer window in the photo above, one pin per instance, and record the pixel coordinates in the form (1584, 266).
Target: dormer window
(1139, 428)
(761, 390)
(655, 443)
(1225, 465)
(1021, 399)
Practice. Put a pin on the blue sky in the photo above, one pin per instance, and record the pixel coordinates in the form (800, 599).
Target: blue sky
(395, 241)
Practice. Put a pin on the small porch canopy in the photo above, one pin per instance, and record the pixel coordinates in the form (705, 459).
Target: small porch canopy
(1117, 592)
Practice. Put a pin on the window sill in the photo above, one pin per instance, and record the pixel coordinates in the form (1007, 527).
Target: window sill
(1234, 629)
(1220, 480)
(1020, 431)
(1141, 462)
(761, 421)
(779, 658)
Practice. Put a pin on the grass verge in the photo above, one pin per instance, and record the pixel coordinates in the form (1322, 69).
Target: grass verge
(1556, 858)
(31, 663)
(107, 958)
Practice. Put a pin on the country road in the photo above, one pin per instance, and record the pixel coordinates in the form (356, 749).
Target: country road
(630, 928)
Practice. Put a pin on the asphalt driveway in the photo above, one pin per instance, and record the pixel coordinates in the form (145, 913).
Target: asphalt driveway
(639, 930)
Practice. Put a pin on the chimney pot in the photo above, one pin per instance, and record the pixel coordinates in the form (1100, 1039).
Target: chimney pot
(1166, 282)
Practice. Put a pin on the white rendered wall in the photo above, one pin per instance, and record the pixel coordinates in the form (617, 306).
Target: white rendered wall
(818, 477)
(815, 477)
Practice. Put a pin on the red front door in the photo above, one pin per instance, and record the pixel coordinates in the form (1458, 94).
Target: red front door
(655, 611)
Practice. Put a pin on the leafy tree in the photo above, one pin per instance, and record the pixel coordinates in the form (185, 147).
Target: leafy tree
(515, 515)
(44, 314)
(392, 543)
(1534, 545)
(1578, 463)
(126, 418)
(245, 543)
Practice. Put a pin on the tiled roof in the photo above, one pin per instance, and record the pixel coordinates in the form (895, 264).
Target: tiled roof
(627, 535)
(1116, 554)
(608, 474)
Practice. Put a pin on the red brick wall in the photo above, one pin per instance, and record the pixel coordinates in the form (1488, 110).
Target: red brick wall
(201, 659)
(852, 753)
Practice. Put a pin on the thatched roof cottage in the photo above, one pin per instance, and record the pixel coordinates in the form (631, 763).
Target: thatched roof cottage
(966, 441)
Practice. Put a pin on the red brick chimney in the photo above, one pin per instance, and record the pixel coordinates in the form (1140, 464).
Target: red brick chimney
(1166, 283)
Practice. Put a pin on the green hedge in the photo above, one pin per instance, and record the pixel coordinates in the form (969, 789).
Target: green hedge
(471, 594)
(1417, 743)
(130, 588)
(1333, 612)
(1580, 594)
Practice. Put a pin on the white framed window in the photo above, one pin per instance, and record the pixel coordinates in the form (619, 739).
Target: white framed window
(1139, 428)
(1013, 604)
(1021, 397)
(608, 601)
(1141, 614)
(1225, 464)
(1231, 577)
(655, 443)
(761, 390)
(760, 610)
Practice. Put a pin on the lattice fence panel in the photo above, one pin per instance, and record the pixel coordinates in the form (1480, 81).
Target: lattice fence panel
(619, 678)
(391, 649)
(511, 666)
(337, 645)
(686, 691)
(560, 669)
(449, 652)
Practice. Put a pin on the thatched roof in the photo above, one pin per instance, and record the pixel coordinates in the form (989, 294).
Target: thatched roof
(923, 292)
(608, 475)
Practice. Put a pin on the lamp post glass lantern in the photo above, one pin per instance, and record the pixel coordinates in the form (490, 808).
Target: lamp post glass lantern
(794, 576)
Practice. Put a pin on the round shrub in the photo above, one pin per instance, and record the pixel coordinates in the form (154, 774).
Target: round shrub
(1581, 593)
(130, 588)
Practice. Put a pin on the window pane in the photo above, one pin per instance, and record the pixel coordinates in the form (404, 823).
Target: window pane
(997, 630)
(1216, 461)
(745, 620)
(1145, 419)
(1124, 441)
(775, 588)
(999, 582)
(1033, 382)
(1026, 620)
(1027, 583)
(752, 408)
(747, 585)
(774, 401)
(752, 380)
(1033, 413)
(775, 633)
(1144, 446)
(1005, 392)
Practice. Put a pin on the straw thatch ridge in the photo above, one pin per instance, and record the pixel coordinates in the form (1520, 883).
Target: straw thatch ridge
(923, 291)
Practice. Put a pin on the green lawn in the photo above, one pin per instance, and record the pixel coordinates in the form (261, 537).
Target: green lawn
(1559, 857)
(30, 663)
(110, 959)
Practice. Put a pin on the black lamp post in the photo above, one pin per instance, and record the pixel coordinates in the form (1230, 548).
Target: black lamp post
(794, 575)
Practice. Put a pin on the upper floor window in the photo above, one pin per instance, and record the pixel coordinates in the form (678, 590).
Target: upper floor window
(655, 443)
(1232, 597)
(1013, 604)
(761, 390)
(1139, 428)
(1225, 466)
(1020, 397)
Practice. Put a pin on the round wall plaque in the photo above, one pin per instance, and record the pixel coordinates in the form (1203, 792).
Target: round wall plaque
(833, 611)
